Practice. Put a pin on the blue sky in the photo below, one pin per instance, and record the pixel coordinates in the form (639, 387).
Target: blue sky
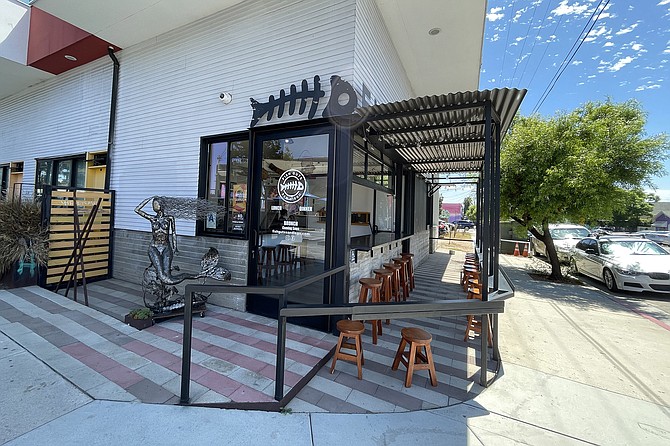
(625, 55)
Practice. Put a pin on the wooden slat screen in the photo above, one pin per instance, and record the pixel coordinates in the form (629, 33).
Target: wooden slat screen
(62, 234)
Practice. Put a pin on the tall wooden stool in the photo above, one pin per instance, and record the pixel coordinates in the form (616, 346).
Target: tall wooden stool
(285, 257)
(374, 286)
(395, 279)
(349, 330)
(467, 273)
(475, 324)
(415, 359)
(387, 289)
(410, 268)
(404, 282)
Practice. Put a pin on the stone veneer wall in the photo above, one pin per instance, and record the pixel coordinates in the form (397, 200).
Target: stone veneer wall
(367, 261)
(130, 259)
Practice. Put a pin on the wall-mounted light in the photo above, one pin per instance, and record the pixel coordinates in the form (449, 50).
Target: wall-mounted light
(226, 97)
(434, 31)
(70, 57)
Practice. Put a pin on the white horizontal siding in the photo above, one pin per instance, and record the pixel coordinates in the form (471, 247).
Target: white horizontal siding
(376, 62)
(169, 95)
(65, 115)
(169, 88)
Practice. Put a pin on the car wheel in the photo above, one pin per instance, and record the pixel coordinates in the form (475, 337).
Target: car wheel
(610, 283)
(573, 267)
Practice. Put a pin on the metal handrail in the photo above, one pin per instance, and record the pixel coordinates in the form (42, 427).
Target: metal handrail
(357, 311)
(282, 291)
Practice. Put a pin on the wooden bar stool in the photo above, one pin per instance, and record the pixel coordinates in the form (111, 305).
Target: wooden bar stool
(387, 289)
(415, 359)
(404, 282)
(475, 324)
(410, 268)
(349, 330)
(395, 279)
(374, 286)
(468, 272)
(285, 255)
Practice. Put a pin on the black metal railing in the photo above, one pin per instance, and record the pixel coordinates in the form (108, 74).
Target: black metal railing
(281, 291)
(387, 310)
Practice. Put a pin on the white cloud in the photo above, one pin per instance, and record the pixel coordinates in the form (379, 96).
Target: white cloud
(647, 87)
(594, 33)
(627, 30)
(519, 13)
(608, 44)
(565, 9)
(636, 46)
(495, 14)
(663, 2)
(577, 62)
(494, 38)
(519, 39)
(621, 63)
(492, 80)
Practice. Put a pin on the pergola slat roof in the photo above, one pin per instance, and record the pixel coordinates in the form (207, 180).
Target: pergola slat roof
(441, 134)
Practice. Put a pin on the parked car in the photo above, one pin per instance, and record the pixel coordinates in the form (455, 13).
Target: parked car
(660, 237)
(565, 237)
(464, 224)
(623, 263)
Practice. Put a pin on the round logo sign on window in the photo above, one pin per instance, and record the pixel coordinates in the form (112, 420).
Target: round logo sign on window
(291, 186)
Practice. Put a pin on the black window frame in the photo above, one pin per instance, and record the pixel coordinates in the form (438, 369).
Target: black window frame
(76, 161)
(203, 183)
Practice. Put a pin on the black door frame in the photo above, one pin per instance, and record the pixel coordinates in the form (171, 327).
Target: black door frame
(338, 205)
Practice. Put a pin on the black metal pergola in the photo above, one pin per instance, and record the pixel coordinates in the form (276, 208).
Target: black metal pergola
(456, 133)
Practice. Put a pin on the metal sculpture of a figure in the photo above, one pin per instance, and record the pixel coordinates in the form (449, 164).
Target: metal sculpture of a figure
(163, 241)
(159, 279)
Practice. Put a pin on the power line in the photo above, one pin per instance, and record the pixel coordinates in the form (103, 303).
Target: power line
(518, 62)
(506, 42)
(564, 65)
(546, 11)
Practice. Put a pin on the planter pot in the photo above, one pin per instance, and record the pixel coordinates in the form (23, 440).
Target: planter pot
(139, 324)
(21, 275)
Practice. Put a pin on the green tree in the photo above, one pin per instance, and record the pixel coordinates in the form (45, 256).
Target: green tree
(471, 213)
(467, 202)
(579, 166)
(636, 210)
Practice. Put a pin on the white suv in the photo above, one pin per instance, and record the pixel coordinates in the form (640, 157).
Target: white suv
(565, 238)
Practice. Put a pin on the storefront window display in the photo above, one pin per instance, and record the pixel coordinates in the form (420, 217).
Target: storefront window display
(226, 185)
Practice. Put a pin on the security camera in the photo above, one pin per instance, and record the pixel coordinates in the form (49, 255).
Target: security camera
(226, 97)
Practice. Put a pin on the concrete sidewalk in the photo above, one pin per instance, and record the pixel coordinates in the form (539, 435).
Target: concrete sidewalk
(579, 367)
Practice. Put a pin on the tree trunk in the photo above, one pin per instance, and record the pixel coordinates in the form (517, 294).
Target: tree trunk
(556, 273)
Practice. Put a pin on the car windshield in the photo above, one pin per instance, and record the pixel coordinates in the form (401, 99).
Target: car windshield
(632, 247)
(564, 233)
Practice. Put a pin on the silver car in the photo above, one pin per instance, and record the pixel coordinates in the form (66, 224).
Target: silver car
(623, 263)
(565, 237)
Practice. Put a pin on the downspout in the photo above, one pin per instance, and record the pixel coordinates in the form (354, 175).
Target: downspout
(112, 116)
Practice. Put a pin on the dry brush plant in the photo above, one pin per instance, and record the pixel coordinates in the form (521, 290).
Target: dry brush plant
(22, 236)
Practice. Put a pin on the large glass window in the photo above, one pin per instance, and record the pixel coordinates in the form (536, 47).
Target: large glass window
(227, 171)
(292, 225)
(63, 172)
(371, 165)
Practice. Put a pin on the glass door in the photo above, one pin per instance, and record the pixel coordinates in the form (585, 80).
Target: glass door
(289, 242)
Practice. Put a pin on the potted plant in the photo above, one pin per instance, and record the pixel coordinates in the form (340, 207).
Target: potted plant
(140, 318)
(24, 243)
